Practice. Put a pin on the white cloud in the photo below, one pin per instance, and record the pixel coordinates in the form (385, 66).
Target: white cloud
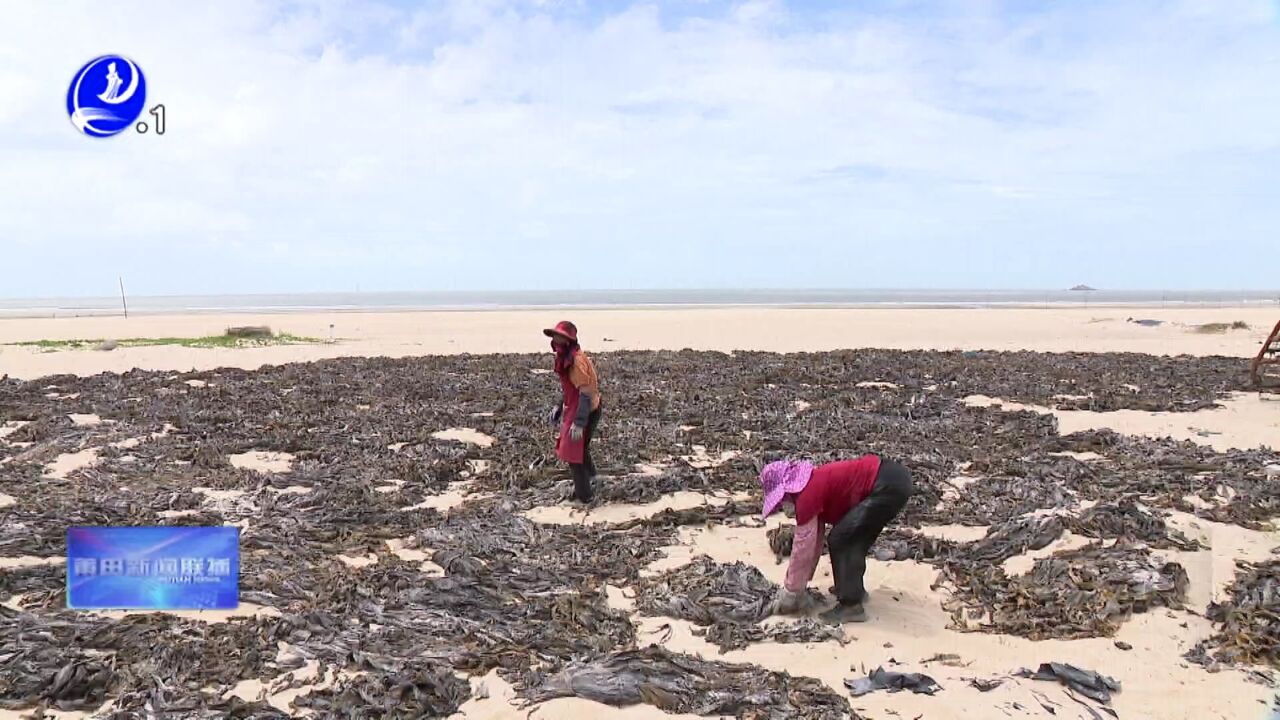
(468, 144)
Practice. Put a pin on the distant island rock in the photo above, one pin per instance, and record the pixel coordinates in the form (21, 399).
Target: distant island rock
(1083, 287)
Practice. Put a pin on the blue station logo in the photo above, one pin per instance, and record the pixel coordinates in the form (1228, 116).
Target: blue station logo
(106, 96)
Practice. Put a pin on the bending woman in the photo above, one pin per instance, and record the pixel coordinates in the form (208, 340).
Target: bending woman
(858, 498)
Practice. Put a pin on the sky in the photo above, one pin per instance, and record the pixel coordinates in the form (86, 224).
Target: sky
(476, 145)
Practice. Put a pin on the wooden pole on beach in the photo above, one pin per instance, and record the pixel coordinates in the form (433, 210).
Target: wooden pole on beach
(122, 300)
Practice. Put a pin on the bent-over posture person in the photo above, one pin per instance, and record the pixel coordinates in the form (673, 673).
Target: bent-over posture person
(579, 412)
(857, 498)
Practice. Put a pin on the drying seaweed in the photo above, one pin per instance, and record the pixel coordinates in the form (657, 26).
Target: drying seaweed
(735, 636)
(526, 598)
(683, 684)
(1013, 538)
(1076, 594)
(1248, 623)
(729, 513)
(402, 691)
(899, 543)
(728, 599)
(1125, 519)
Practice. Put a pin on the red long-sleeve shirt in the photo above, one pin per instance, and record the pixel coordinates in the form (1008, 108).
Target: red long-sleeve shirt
(832, 491)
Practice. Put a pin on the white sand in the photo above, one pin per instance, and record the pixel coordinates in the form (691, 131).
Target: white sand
(955, 533)
(1081, 456)
(263, 461)
(1245, 420)
(457, 493)
(219, 495)
(907, 620)
(464, 435)
(244, 610)
(357, 561)
(702, 459)
(67, 463)
(28, 560)
(570, 515)
(1023, 563)
(11, 427)
(407, 549)
(421, 333)
(291, 490)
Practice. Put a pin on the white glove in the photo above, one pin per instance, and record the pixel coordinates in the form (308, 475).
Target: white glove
(789, 603)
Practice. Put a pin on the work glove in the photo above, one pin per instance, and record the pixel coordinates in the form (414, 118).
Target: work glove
(789, 603)
(553, 417)
(575, 433)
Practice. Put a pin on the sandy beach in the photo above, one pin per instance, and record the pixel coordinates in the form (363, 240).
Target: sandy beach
(908, 623)
(406, 334)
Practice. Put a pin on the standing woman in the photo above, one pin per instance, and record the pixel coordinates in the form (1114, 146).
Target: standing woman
(579, 413)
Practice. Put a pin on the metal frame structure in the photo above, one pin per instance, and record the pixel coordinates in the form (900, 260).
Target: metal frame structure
(1268, 355)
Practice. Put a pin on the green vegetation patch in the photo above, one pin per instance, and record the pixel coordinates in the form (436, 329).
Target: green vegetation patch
(210, 341)
(1219, 328)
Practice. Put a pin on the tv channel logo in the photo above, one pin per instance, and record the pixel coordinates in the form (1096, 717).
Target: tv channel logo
(107, 96)
(153, 568)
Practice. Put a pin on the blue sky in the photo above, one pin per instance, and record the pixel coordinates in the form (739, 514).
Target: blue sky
(317, 146)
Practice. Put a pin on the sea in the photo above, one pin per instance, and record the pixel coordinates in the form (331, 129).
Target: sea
(512, 300)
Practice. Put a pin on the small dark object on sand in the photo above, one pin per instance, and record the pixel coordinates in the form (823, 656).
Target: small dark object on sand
(780, 541)
(1086, 682)
(1123, 645)
(986, 684)
(249, 331)
(1147, 323)
(881, 679)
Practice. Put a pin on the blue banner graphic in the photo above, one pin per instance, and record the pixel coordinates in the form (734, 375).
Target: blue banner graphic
(153, 568)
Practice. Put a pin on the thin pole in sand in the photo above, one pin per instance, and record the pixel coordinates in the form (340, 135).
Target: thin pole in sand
(122, 300)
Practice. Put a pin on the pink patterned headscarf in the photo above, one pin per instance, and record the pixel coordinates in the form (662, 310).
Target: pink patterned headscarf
(782, 478)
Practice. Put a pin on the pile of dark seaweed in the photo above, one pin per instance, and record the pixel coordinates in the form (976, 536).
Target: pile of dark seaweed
(1248, 622)
(529, 599)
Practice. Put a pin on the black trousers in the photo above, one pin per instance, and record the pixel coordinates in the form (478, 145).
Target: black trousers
(585, 470)
(850, 539)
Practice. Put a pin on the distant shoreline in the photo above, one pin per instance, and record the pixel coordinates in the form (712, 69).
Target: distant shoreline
(515, 301)
(64, 313)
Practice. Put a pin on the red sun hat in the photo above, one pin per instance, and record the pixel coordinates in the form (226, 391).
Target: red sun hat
(565, 329)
